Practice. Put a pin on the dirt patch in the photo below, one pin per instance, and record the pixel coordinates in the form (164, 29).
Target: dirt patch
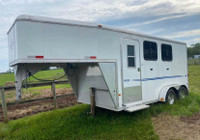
(10, 83)
(173, 127)
(195, 119)
(34, 94)
(26, 109)
(48, 93)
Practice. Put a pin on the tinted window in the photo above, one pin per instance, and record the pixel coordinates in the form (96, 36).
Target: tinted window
(150, 51)
(131, 50)
(166, 52)
(131, 55)
(131, 61)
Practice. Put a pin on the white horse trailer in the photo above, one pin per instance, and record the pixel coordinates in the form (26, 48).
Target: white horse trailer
(128, 70)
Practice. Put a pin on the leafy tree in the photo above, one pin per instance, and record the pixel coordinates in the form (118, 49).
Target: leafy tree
(10, 70)
(193, 50)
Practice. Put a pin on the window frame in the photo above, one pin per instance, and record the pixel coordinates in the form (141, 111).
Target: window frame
(156, 50)
(131, 56)
(171, 52)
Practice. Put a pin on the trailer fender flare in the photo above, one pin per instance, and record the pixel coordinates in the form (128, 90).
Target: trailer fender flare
(163, 91)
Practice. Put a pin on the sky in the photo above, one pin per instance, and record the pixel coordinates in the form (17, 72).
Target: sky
(173, 19)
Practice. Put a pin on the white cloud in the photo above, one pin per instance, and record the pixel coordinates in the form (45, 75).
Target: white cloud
(4, 65)
(156, 31)
(89, 10)
(129, 26)
(192, 41)
(18, 2)
(4, 54)
(93, 10)
(184, 34)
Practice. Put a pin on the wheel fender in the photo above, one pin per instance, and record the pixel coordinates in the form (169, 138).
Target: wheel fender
(163, 91)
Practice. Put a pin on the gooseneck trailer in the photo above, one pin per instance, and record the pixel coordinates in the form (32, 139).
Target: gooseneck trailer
(128, 70)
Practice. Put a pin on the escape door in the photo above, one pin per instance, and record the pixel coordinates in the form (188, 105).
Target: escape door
(132, 90)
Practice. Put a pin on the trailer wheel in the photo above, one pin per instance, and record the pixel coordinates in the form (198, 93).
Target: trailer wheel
(170, 97)
(182, 92)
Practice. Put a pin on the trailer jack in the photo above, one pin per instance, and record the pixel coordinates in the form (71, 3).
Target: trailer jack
(92, 101)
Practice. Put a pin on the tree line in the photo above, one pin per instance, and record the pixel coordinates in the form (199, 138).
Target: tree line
(193, 50)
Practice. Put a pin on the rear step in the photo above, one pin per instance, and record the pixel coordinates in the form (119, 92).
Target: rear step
(136, 107)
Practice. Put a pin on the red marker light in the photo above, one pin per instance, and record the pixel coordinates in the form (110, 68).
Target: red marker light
(93, 57)
(39, 57)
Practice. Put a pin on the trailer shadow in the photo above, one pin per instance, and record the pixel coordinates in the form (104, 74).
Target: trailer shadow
(153, 109)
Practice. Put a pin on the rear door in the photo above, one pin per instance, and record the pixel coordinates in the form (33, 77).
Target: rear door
(132, 90)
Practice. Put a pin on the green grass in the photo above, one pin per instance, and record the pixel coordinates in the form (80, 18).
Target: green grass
(47, 87)
(5, 78)
(74, 123)
(194, 77)
(193, 61)
(46, 74)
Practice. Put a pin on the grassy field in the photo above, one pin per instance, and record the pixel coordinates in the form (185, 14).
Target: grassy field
(194, 77)
(193, 61)
(74, 123)
(47, 74)
(5, 77)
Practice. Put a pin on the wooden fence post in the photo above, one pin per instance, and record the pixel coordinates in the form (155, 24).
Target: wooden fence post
(4, 106)
(53, 89)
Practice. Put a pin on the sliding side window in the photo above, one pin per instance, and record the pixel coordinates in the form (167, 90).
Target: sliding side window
(150, 51)
(166, 51)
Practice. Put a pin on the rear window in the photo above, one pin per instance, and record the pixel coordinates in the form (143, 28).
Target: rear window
(166, 51)
(150, 51)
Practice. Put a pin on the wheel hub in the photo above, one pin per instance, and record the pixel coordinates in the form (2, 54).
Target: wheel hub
(182, 94)
(171, 98)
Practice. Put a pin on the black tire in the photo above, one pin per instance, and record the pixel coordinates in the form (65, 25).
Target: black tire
(182, 92)
(170, 97)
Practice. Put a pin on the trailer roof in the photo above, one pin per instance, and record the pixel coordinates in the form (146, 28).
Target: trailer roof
(43, 19)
